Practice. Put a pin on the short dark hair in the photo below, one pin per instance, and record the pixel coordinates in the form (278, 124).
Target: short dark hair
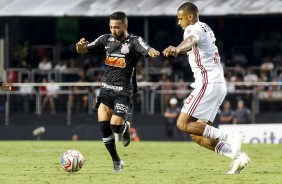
(119, 15)
(189, 7)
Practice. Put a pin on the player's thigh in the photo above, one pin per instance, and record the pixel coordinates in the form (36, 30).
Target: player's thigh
(221, 91)
(202, 101)
(104, 112)
(185, 118)
(122, 107)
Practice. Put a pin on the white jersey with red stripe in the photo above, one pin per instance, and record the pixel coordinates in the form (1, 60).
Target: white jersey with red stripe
(204, 58)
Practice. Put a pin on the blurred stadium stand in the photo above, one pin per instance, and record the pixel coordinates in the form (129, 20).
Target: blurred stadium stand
(133, 7)
(248, 32)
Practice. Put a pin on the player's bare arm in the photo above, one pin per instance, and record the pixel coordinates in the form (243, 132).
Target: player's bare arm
(182, 48)
(153, 53)
(5, 86)
(81, 46)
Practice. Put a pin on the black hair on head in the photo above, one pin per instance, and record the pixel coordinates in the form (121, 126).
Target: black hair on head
(188, 7)
(119, 15)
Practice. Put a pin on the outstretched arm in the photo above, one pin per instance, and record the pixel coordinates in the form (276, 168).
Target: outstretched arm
(182, 48)
(81, 46)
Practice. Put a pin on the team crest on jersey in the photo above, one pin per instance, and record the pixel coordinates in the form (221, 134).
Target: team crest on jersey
(124, 48)
(111, 39)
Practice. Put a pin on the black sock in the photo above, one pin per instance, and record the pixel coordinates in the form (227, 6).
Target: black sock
(109, 139)
(118, 129)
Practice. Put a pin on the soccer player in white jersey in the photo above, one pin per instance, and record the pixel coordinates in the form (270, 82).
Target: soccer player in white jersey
(200, 108)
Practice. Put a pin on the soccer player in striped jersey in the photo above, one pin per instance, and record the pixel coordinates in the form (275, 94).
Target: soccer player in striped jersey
(201, 106)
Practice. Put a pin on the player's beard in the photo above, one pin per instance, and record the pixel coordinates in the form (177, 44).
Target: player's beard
(119, 37)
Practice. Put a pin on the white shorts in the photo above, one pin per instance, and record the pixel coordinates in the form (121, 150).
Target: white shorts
(204, 101)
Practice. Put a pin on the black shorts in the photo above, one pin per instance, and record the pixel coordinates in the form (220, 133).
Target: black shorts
(120, 103)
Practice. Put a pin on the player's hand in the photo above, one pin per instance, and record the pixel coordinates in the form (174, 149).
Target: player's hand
(6, 86)
(81, 46)
(153, 53)
(171, 51)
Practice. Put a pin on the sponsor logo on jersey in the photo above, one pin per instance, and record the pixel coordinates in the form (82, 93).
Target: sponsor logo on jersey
(115, 61)
(121, 107)
(108, 86)
(125, 48)
(111, 39)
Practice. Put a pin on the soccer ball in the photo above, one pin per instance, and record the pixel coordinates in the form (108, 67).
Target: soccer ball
(72, 161)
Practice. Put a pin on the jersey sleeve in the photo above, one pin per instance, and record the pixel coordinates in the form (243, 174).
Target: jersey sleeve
(192, 30)
(141, 46)
(100, 41)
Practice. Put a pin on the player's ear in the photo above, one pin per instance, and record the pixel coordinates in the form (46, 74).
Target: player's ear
(190, 16)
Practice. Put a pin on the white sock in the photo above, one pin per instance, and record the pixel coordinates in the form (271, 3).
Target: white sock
(223, 149)
(215, 133)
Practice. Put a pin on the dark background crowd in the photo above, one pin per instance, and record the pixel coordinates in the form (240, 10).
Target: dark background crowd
(250, 48)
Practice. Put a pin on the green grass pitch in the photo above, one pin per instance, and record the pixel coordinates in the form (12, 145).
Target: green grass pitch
(37, 162)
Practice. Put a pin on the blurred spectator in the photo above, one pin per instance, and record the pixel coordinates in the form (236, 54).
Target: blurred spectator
(26, 95)
(79, 98)
(238, 69)
(226, 114)
(45, 64)
(279, 79)
(43, 89)
(273, 88)
(277, 59)
(250, 77)
(51, 95)
(229, 77)
(267, 64)
(240, 58)
(166, 68)
(238, 78)
(171, 114)
(72, 63)
(167, 85)
(24, 64)
(262, 78)
(181, 88)
(242, 114)
(60, 66)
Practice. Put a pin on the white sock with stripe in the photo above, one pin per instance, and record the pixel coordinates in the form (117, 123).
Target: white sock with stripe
(215, 133)
(223, 149)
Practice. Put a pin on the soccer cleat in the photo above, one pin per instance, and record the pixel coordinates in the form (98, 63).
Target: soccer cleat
(239, 163)
(235, 141)
(118, 166)
(126, 135)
